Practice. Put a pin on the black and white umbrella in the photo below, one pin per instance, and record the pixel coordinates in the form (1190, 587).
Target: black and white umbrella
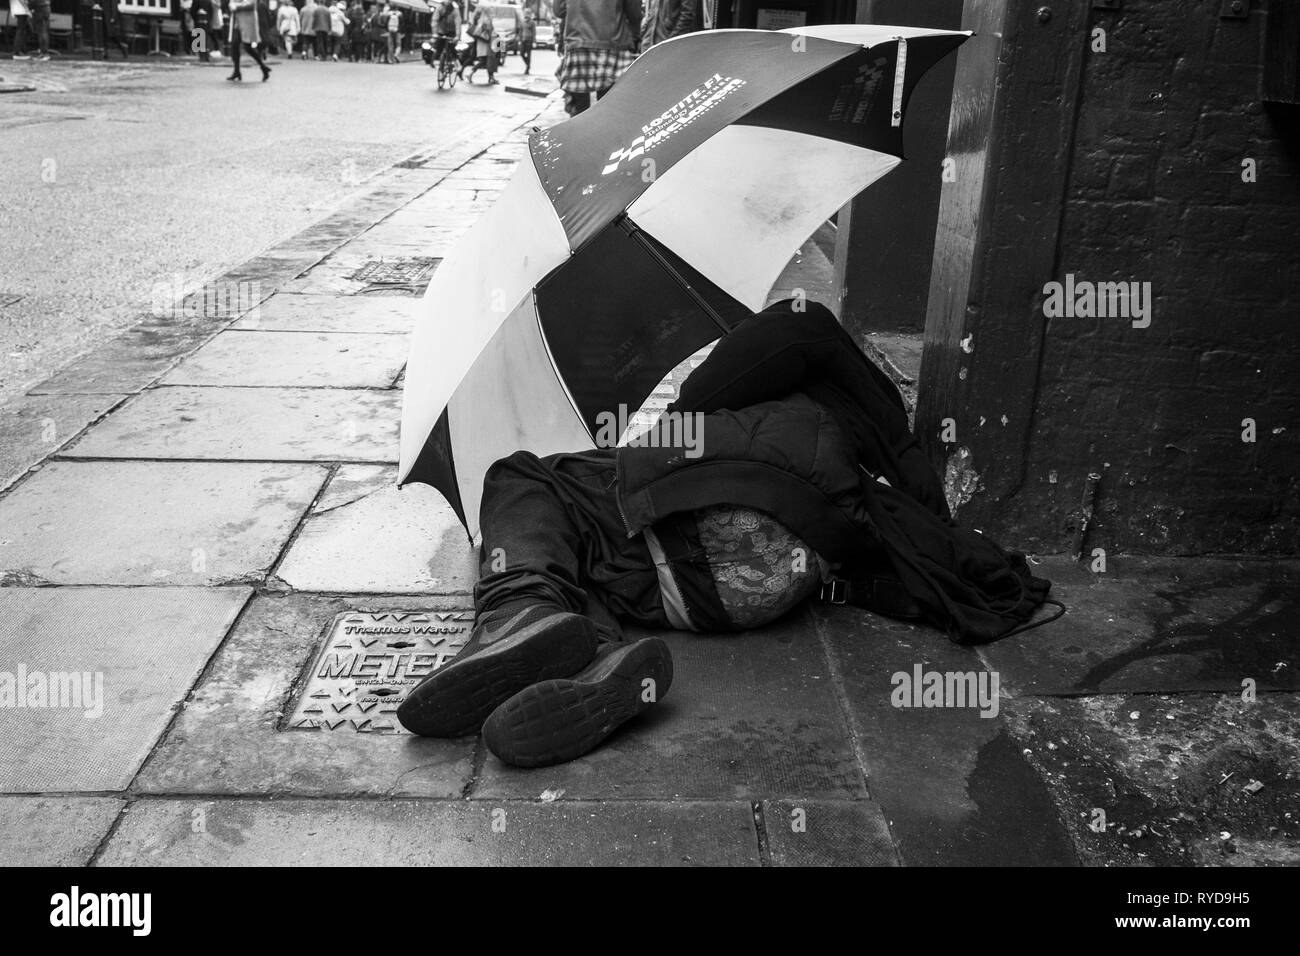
(642, 230)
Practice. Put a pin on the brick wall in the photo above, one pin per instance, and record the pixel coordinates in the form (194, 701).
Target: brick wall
(1153, 192)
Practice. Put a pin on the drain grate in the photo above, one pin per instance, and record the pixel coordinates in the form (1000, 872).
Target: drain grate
(368, 663)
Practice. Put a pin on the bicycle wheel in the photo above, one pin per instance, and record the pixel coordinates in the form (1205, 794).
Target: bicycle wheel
(452, 74)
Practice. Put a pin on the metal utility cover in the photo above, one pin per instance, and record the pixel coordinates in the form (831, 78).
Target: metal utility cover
(367, 664)
(396, 271)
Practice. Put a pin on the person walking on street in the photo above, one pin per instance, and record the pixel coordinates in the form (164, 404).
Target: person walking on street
(287, 25)
(306, 37)
(114, 28)
(394, 25)
(338, 29)
(528, 34)
(245, 34)
(356, 15)
(22, 21)
(320, 27)
(41, 27)
(374, 33)
(266, 28)
(600, 39)
(484, 32)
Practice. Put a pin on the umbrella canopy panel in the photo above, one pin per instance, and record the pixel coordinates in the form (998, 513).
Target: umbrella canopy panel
(765, 189)
(616, 320)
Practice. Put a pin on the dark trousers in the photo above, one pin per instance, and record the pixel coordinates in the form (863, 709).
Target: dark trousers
(41, 25)
(322, 44)
(575, 103)
(552, 533)
(20, 34)
(237, 46)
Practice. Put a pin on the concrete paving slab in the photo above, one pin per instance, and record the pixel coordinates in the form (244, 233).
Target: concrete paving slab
(366, 535)
(1171, 780)
(141, 523)
(438, 240)
(34, 426)
(250, 424)
(374, 314)
(231, 738)
(54, 831)
(429, 833)
(751, 715)
(1160, 625)
(126, 363)
(827, 833)
(104, 669)
(953, 785)
(302, 359)
(443, 214)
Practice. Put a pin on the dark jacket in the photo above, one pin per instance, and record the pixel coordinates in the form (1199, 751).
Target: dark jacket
(674, 18)
(799, 424)
(599, 24)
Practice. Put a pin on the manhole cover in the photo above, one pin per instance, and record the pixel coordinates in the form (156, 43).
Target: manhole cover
(368, 663)
(396, 271)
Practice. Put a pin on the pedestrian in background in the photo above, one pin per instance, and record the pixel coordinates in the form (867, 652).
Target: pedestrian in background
(356, 14)
(115, 31)
(245, 34)
(528, 34)
(305, 35)
(266, 28)
(600, 39)
(394, 27)
(484, 31)
(338, 28)
(40, 14)
(320, 28)
(287, 25)
(375, 34)
(22, 22)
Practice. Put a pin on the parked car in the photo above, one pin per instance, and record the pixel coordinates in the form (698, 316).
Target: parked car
(545, 39)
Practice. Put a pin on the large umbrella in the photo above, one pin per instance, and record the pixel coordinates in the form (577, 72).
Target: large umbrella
(642, 230)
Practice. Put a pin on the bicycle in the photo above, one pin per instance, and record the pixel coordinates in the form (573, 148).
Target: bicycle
(448, 64)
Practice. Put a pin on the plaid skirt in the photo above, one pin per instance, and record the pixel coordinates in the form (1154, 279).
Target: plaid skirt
(591, 71)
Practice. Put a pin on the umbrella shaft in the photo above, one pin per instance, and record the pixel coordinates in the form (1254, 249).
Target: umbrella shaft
(635, 232)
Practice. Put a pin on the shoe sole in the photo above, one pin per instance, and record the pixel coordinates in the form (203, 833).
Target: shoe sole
(559, 720)
(455, 700)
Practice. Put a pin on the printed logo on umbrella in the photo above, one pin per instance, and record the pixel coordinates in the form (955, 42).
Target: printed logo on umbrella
(676, 118)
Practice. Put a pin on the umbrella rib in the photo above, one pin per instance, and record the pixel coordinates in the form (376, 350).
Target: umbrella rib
(635, 231)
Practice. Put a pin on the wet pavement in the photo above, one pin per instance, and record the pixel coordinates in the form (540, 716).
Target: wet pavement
(188, 509)
(123, 178)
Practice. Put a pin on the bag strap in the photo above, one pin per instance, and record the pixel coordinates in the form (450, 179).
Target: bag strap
(877, 592)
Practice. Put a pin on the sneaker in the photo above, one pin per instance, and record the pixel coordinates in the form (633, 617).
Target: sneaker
(508, 650)
(558, 720)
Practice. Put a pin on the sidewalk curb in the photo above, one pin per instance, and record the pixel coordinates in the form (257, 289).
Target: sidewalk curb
(176, 335)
